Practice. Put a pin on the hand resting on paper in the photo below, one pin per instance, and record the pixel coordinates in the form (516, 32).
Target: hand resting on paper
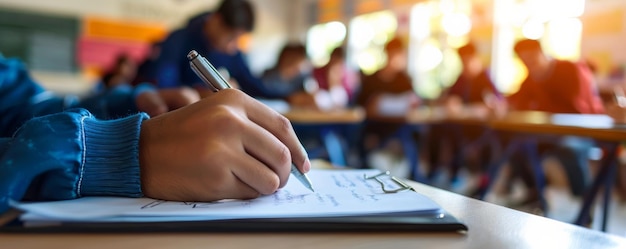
(228, 145)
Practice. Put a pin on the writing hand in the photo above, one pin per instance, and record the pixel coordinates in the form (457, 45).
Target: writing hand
(228, 145)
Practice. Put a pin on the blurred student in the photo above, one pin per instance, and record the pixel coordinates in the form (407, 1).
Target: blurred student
(146, 72)
(337, 79)
(48, 152)
(123, 72)
(289, 76)
(555, 86)
(473, 92)
(473, 87)
(112, 92)
(387, 92)
(214, 35)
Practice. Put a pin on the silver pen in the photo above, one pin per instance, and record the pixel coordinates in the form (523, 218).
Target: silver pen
(211, 77)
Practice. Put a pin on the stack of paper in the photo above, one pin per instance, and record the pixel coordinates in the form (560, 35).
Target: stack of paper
(338, 193)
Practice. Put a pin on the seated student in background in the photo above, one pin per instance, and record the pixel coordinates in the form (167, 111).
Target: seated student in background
(147, 69)
(473, 88)
(123, 72)
(214, 35)
(556, 86)
(289, 75)
(50, 153)
(387, 92)
(116, 85)
(473, 92)
(337, 79)
(553, 85)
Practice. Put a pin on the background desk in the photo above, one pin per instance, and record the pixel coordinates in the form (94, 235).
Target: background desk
(328, 125)
(598, 127)
(490, 226)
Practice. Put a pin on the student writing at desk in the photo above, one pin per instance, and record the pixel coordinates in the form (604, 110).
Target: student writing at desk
(214, 35)
(227, 145)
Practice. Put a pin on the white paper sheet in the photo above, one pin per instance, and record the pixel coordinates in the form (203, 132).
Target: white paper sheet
(338, 193)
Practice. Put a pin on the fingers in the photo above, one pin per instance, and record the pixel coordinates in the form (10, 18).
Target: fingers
(151, 103)
(179, 97)
(255, 174)
(279, 126)
(267, 149)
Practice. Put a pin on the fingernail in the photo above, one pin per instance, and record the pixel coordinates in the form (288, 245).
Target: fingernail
(307, 165)
(304, 151)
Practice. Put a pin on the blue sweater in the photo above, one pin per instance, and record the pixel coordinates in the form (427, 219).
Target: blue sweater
(172, 66)
(50, 153)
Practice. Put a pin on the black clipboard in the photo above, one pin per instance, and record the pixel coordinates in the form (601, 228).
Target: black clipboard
(397, 223)
(440, 221)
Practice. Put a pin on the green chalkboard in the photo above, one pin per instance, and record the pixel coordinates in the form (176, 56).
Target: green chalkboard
(44, 42)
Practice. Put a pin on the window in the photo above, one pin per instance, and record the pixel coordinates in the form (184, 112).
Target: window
(368, 35)
(322, 39)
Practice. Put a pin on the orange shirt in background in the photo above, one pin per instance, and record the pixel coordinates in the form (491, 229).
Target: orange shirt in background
(570, 88)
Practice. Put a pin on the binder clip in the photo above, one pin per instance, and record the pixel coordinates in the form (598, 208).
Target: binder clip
(402, 186)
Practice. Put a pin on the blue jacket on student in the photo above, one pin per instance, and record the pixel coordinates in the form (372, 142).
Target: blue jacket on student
(50, 153)
(172, 66)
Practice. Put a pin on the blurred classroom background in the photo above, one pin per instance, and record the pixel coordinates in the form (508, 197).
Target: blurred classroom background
(69, 44)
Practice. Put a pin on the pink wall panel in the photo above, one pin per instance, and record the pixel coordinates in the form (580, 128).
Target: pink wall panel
(101, 53)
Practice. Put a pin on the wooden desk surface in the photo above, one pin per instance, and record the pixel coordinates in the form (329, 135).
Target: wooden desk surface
(490, 226)
(595, 126)
(437, 114)
(342, 116)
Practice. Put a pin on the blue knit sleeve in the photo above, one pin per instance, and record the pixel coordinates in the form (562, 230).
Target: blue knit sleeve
(21, 98)
(69, 155)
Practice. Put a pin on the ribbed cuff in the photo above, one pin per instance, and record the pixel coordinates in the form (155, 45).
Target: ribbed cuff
(111, 160)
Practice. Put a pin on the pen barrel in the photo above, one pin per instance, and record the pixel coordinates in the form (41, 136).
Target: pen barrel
(206, 72)
(201, 75)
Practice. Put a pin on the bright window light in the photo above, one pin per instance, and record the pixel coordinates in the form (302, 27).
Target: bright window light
(456, 24)
(430, 57)
(322, 39)
(563, 38)
(552, 9)
(368, 35)
(533, 29)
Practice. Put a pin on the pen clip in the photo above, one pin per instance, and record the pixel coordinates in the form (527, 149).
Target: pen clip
(202, 77)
